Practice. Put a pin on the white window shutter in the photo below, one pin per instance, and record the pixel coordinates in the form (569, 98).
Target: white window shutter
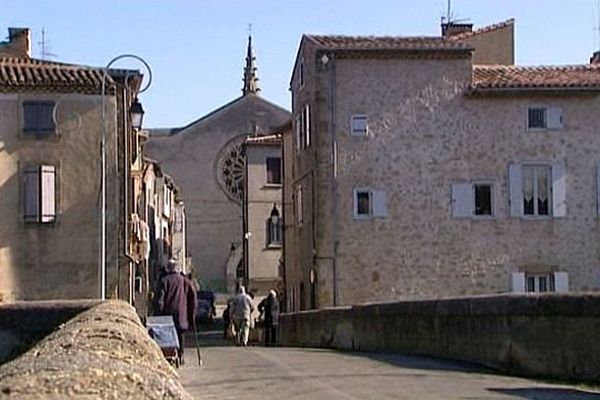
(598, 188)
(518, 282)
(555, 118)
(31, 201)
(462, 200)
(48, 193)
(515, 189)
(379, 204)
(307, 126)
(561, 281)
(559, 190)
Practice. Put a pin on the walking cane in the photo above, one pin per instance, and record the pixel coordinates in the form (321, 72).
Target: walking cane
(197, 344)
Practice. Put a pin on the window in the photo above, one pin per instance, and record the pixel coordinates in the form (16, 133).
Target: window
(274, 232)
(369, 203)
(299, 211)
(358, 125)
(301, 73)
(303, 132)
(38, 117)
(39, 194)
(537, 190)
(544, 118)
(306, 125)
(274, 170)
(473, 199)
(540, 282)
(483, 198)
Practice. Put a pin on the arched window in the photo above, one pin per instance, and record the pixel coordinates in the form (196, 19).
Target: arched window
(274, 228)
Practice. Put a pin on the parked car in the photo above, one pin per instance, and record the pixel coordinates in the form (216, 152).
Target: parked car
(205, 309)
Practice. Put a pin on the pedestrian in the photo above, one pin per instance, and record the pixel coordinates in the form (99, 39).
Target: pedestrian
(269, 307)
(175, 297)
(241, 310)
(227, 321)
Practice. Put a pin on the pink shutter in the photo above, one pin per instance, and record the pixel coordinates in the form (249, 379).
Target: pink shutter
(48, 196)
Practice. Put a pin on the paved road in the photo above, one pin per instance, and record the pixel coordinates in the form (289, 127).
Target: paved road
(288, 373)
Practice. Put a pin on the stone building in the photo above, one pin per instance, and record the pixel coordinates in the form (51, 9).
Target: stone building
(427, 167)
(206, 159)
(51, 129)
(263, 213)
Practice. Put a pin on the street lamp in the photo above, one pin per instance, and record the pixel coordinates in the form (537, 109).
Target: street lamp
(136, 114)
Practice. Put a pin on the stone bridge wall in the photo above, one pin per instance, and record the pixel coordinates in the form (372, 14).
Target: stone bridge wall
(551, 336)
(94, 350)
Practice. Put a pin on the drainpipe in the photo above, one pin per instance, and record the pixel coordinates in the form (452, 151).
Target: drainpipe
(333, 177)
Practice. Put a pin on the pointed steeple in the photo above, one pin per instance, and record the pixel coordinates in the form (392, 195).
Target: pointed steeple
(250, 77)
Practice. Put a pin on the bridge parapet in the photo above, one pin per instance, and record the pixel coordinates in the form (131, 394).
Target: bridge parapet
(551, 335)
(103, 352)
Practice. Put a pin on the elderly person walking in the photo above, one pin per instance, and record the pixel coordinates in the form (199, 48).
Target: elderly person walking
(241, 310)
(175, 296)
(270, 307)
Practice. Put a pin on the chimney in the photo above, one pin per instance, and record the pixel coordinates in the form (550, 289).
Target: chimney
(452, 28)
(19, 43)
(595, 60)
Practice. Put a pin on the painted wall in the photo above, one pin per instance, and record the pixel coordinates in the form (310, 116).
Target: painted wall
(58, 260)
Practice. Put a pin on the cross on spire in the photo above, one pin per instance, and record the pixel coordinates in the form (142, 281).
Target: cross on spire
(250, 77)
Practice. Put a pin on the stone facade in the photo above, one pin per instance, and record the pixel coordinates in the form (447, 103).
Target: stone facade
(193, 156)
(427, 133)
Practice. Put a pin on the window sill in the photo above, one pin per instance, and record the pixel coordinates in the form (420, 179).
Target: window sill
(272, 186)
(273, 246)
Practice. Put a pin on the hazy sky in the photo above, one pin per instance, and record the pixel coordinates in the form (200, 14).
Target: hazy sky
(196, 48)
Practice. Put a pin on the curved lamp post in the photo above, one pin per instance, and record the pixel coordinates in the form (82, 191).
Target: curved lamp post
(136, 114)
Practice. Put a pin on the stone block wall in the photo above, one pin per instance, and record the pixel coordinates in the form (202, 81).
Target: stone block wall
(103, 352)
(549, 336)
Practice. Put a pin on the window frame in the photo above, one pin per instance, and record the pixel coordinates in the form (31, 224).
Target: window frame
(377, 203)
(267, 170)
(38, 131)
(274, 237)
(553, 118)
(41, 217)
(492, 186)
(535, 194)
(359, 133)
(459, 191)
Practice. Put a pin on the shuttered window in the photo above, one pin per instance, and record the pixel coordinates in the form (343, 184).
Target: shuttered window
(38, 117)
(370, 203)
(39, 194)
(473, 200)
(358, 125)
(538, 190)
(541, 118)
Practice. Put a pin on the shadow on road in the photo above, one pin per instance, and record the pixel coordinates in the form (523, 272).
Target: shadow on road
(547, 393)
(424, 362)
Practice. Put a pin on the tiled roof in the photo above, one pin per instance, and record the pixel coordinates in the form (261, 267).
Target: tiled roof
(266, 139)
(412, 43)
(543, 77)
(485, 29)
(19, 74)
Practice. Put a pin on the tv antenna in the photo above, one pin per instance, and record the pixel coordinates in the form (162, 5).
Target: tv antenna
(46, 54)
(448, 18)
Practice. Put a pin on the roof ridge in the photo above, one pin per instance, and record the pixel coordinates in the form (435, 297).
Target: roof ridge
(536, 67)
(483, 29)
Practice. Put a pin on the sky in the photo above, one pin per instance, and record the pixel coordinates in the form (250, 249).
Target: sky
(196, 49)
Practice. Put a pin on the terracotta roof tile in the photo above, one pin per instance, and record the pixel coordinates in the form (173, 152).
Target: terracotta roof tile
(19, 74)
(412, 43)
(543, 77)
(485, 29)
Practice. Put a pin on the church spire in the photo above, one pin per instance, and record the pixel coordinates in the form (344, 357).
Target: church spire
(250, 77)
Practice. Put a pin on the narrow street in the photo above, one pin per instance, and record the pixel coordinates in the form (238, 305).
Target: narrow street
(254, 372)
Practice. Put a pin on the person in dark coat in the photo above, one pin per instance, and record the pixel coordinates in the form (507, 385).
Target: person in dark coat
(270, 307)
(175, 296)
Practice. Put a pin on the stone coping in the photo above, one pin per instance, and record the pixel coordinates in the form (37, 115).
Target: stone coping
(102, 353)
